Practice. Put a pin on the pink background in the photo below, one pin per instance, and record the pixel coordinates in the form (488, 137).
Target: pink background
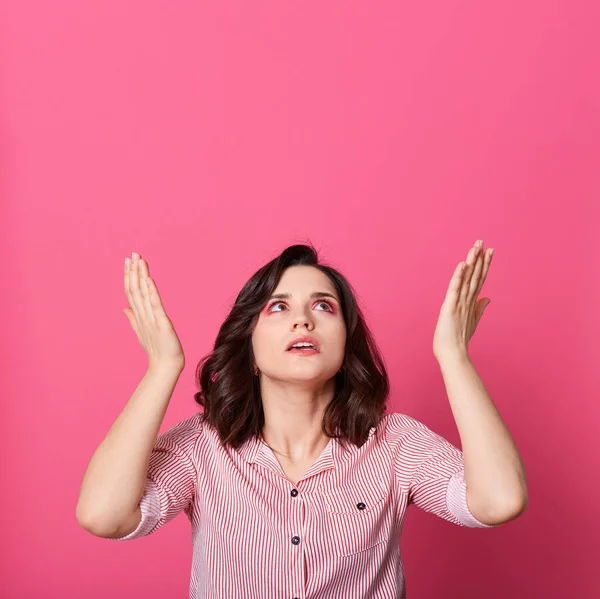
(208, 138)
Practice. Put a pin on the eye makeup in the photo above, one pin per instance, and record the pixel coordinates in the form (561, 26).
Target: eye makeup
(331, 305)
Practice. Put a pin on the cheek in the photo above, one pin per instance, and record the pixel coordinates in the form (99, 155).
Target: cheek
(264, 341)
(340, 332)
(337, 340)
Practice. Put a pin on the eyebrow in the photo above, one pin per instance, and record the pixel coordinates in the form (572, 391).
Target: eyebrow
(314, 294)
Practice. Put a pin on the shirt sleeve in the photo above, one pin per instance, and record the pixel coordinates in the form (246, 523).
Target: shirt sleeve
(171, 480)
(432, 470)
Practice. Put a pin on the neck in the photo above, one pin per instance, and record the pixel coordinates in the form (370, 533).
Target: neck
(293, 417)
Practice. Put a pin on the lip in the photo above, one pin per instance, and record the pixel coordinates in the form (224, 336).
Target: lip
(304, 338)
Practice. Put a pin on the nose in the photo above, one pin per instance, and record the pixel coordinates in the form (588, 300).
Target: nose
(302, 319)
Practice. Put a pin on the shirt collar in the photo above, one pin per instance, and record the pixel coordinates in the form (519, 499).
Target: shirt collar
(250, 449)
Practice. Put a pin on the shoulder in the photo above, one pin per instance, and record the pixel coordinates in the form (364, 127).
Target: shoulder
(398, 429)
(184, 435)
(192, 425)
(396, 424)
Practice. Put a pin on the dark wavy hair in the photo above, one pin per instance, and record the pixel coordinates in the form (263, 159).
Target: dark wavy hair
(230, 392)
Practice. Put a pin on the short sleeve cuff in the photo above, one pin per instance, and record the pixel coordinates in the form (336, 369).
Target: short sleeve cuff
(456, 499)
(150, 508)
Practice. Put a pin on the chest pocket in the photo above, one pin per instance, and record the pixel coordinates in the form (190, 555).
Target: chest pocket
(356, 518)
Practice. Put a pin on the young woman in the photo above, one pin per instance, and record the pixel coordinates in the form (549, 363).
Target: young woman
(295, 480)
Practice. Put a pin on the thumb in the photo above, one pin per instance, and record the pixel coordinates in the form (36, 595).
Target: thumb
(480, 307)
(130, 317)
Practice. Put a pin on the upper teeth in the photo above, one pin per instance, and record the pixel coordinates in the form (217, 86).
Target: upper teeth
(303, 344)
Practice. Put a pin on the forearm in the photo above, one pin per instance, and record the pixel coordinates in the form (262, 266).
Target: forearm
(114, 480)
(494, 471)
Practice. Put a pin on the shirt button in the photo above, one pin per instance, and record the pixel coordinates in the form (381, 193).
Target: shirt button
(361, 506)
(294, 492)
(295, 540)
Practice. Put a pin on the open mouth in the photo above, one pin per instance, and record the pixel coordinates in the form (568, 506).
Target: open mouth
(303, 348)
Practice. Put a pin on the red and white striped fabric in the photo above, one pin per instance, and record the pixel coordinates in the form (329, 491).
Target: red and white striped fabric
(333, 534)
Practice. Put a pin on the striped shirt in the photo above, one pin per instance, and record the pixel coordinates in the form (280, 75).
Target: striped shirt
(335, 533)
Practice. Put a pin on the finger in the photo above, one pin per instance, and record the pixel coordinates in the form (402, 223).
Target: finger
(455, 282)
(155, 299)
(132, 321)
(487, 258)
(134, 325)
(134, 289)
(143, 275)
(464, 290)
(476, 277)
(128, 271)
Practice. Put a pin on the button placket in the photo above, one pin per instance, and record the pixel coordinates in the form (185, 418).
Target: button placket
(297, 523)
(295, 538)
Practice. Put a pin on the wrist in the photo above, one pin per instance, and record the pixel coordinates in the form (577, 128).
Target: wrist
(452, 357)
(165, 369)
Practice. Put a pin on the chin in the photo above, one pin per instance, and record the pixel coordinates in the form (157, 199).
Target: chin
(307, 375)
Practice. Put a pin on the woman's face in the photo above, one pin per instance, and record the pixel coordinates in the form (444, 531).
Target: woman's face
(306, 309)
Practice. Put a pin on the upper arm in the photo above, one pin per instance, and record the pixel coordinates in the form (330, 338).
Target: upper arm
(171, 480)
(431, 469)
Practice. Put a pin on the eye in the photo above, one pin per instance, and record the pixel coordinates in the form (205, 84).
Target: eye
(326, 304)
(273, 305)
(330, 309)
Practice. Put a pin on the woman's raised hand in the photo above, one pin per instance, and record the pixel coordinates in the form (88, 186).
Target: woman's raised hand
(148, 318)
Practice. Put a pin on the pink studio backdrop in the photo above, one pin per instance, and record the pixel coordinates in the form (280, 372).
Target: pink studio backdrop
(207, 138)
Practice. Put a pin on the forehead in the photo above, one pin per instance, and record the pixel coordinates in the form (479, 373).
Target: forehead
(302, 280)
